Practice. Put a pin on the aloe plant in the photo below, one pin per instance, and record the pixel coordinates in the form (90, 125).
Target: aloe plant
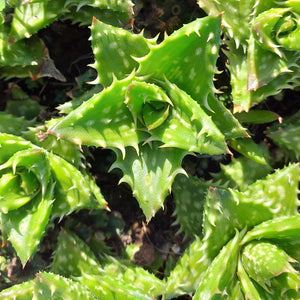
(154, 103)
(244, 252)
(36, 187)
(263, 52)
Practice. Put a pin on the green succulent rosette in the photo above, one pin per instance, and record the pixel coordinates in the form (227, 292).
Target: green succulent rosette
(248, 246)
(262, 47)
(149, 113)
(37, 186)
(274, 48)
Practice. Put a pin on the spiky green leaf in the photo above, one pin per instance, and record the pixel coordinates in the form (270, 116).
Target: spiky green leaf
(150, 174)
(188, 272)
(221, 272)
(113, 49)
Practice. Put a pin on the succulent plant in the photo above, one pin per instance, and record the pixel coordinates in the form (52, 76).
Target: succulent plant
(36, 187)
(249, 241)
(154, 103)
(263, 50)
(23, 54)
(76, 269)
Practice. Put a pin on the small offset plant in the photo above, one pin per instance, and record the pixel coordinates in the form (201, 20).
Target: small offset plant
(153, 104)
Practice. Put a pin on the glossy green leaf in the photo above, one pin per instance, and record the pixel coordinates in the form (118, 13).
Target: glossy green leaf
(188, 272)
(189, 196)
(12, 125)
(150, 174)
(249, 148)
(227, 209)
(176, 58)
(173, 118)
(72, 190)
(236, 15)
(102, 121)
(29, 18)
(221, 272)
(73, 257)
(284, 228)
(10, 144)
(36, 186)
(53, 286)
(259, 268)
(113, 49)
(257, 116)
(26, 226)
(22, 291)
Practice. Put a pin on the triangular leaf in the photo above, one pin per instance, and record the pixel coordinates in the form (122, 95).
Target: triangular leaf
(150, 174)
(221, 272)
(102, 121)
(187, 58)
(26, 226)
(113, 49)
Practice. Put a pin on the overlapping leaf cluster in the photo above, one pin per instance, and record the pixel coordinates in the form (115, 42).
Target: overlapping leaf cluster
(263, 47)
(247, 245)
(22, 53)
(37, 185)
(154, 103)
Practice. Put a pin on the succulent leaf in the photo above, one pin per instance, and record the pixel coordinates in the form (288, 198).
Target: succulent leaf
(116, 5)
(102, 121)
(257, 116)
(37, 186)
(221, 271)
(150, 174)
(188, 272)
(248, 148)
(251, 290)
(189, 196)
(13, 125)
(29, 18)
(259, 268)
(111, 289)
(195, 44)
(26, 226)
(174, 118)
(113, 49)
(34, 15)
(25, 58)
(10, 144)
(285, 228)
(73, 257)
(22, 291)
(263, 50)
(72, 190)
(227, 209)
(48, 285)
(236, 15)
(286, 135)
(63, 148)
(112, 278)
(84, 16)
(37, 135)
